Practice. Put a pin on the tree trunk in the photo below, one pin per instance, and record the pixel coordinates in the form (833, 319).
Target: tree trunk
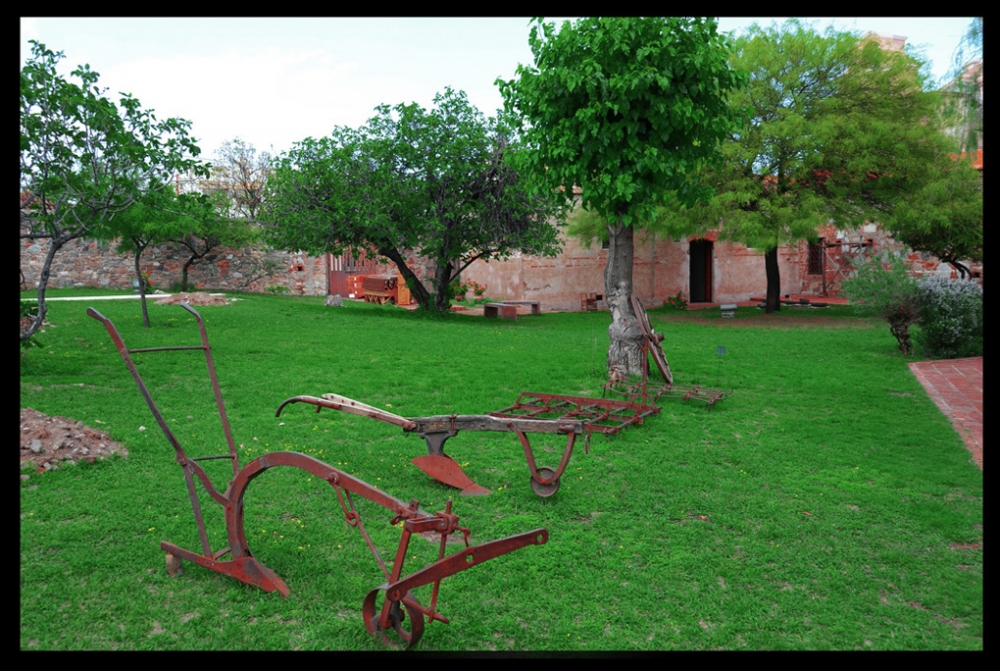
(417, 287)
(142, 289)
(55, 244)
(773, 281)
(442, 278)
(184, 273)
(625, 353)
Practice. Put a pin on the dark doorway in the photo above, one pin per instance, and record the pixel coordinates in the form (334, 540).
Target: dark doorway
(701, 271)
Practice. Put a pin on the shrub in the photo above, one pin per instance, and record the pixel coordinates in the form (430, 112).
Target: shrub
(276, 289)
(675, 302)
(951, 318)
(882, 286)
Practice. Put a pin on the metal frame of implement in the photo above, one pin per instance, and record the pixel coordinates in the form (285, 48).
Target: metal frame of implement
(396, 592)
(435, 430)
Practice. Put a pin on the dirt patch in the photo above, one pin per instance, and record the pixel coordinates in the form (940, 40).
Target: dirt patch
(193, 298)
(47, 441)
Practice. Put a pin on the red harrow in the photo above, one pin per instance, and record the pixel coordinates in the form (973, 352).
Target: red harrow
(383, 608)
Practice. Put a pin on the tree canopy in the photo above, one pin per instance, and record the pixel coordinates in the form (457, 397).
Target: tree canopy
(437, 183)
(624, 108)
(84, 159)
(839, 129)
(945, 218)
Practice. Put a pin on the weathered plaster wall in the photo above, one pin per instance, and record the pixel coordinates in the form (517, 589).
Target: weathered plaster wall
(660, 268)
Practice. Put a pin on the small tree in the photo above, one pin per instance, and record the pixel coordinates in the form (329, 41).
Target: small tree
(155, 219)
(240, 172)
(624, 108)
(882, 286)
(213, 227)
(85, 160)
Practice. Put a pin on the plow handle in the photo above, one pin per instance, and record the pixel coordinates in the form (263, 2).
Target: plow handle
(351, 406)
(464, 559)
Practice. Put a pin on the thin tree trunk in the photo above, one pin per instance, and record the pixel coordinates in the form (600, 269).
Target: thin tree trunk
(184, 272)
(773, 281)
(55, 244)
(142, 289)
(625, 351)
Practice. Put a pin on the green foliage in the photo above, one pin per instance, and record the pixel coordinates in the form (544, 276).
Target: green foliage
(675, 302)
(276, 289)
(837, 131)
(29, 310)
(945, 218)
(86, 160)
(624, 108)
(951, 318)
(438, 183)
(885, 288)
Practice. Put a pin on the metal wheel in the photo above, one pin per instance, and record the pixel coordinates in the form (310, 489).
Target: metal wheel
(413, 617)
(545, 490)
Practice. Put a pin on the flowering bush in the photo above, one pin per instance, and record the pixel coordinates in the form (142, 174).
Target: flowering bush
(461, 289)
(676, 302)
(951, 318)
(146, 281)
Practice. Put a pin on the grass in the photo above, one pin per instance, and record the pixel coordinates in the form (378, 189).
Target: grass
(812, 509)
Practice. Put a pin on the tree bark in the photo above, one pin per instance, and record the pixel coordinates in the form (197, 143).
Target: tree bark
(56, 243)
(773, 281)
(142, 288)
(442, 278)
(625, 351)
(417, 287)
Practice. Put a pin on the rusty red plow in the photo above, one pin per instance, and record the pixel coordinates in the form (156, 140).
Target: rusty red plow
(391, 606)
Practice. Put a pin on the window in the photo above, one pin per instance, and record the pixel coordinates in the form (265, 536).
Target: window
(816, 257)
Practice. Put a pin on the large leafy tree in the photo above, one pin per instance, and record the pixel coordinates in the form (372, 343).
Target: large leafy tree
(85, 160)
(839, 130)
(437, 183)
(624, 108)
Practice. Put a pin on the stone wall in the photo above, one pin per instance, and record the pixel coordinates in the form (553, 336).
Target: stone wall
(97, 264)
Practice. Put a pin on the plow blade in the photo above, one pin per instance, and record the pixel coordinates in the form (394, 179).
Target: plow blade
(447, 470)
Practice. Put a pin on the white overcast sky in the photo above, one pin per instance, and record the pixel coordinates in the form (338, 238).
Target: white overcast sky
(274, 81)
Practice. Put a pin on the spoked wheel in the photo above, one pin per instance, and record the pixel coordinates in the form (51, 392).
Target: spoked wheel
(654, 339)
(545, 490)
(407, 622)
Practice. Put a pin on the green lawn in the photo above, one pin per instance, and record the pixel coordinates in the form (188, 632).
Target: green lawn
(812, 509)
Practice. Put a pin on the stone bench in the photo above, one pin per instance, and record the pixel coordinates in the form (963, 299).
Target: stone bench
(728, 310)
(536, 306)
(501, 310)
